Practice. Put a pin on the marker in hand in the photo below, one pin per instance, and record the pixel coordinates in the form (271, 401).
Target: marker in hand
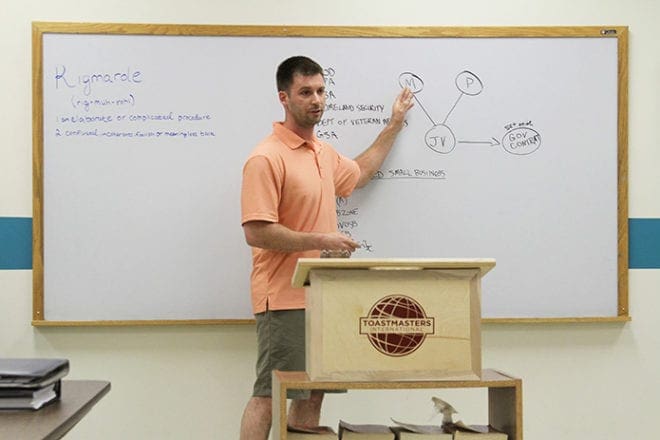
(339, 253)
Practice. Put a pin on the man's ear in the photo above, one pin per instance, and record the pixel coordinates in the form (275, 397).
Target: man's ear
(283, 97)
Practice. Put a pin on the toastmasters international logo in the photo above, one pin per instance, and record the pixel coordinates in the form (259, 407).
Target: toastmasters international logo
(397, 325)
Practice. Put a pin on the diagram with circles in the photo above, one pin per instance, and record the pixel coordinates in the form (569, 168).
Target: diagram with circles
(520, 138)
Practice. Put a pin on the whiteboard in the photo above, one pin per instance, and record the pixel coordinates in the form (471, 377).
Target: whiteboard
(512, 151)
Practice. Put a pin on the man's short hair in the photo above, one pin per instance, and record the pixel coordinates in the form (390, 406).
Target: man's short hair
(295, 65)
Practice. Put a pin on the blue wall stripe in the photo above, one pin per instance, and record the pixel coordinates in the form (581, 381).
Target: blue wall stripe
(16, 243)
(644, 243)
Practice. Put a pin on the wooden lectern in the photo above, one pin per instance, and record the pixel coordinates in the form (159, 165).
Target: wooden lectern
(392, 319)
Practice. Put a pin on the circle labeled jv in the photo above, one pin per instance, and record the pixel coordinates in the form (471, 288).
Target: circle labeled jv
(440, 139)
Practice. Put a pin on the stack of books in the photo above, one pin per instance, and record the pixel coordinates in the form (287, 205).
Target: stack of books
(313, 433)
(348, 431)
(409, 431)
(479, 432)
(31, 383)
(448, 431)
(401, 431)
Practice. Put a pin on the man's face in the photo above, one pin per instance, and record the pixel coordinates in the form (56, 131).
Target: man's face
(305, 100)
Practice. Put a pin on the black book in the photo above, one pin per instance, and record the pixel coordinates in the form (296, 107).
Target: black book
(24, 398)
(30, 383)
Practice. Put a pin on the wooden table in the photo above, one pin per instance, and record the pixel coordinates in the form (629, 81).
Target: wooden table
(56, 419)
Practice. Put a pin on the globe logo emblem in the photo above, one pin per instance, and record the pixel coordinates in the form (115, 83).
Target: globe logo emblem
(396, 325)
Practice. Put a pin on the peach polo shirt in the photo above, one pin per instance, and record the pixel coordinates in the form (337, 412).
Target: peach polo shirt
(295, 183)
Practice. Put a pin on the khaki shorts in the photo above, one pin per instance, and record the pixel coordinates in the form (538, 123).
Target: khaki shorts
(280, 346)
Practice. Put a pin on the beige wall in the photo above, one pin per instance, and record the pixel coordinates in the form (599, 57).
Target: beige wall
(596, 381)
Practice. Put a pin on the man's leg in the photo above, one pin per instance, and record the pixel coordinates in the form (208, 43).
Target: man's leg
(256, 421)
(280, 346)
(306, 412)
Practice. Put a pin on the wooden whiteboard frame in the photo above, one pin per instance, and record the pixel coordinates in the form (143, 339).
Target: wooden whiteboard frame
(41, 28)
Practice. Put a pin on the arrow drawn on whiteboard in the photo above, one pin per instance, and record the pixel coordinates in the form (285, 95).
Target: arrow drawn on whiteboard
(492, 142)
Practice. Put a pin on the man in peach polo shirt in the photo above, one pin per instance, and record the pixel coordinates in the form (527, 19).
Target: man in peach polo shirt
(290, 184)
